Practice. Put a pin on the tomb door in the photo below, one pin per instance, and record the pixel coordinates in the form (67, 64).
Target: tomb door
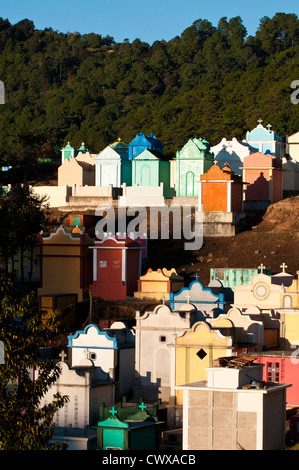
(145, 175)
(190, 184)
(109, 284)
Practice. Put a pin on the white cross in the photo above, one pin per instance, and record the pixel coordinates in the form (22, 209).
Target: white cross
(62, 355)
(262, 267)
(86, 353)
(269, 127)
(260, 121)
(163, 299)
(188, 296)
(284, 267)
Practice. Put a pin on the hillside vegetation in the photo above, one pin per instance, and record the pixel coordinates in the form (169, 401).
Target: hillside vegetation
(211, 81)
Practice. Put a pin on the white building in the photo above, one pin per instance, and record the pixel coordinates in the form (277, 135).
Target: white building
(154, 358)
(231, 152)
(112, 350)
(100, 369)
(112, 166)
(234, 410)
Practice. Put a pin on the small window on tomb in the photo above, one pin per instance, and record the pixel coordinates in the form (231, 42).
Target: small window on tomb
(201, 354)
(93, 356)
(162, 339)
(287, 301)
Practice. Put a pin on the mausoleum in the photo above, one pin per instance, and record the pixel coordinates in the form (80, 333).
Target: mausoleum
(194, 159)
(141, 143)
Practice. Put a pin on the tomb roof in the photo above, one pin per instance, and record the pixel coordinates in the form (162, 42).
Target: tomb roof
(260, 133)
(118, 143)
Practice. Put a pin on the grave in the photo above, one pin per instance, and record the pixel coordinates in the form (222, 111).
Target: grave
(234, 410)
(265, 141)
(260, 295)
(116, 268)
(290, 296)
(154, 355)
(262, 174)
(194, 159)
(220, 190)
(231, 152)
(158, 284)
(111, 349)
(206, 303)
(282, 278)
(151, 168)
(75, 172)
(139, 431)
(231, 277)
(65, 264)
(112, 166)
(195, 350)
(141, 143)
(86, 386)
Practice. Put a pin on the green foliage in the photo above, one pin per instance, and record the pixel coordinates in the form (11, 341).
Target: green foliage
(24, 423)
(22, 216)
(211, 81)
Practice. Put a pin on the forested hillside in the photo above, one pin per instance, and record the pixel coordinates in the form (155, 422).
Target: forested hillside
(211, 81)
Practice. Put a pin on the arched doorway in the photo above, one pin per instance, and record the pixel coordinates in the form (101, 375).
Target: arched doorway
(190, 184)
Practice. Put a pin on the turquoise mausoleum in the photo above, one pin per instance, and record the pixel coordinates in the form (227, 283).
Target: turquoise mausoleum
(193, 160)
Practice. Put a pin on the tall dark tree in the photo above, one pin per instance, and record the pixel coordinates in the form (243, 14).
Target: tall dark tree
(26, 424)
(23, 215)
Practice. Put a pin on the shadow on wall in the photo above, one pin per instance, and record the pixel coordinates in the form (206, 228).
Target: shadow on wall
(234, 161)
(259, 190)
(145, 388)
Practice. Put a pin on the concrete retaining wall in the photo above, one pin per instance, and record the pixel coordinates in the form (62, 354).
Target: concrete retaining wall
(57, 195)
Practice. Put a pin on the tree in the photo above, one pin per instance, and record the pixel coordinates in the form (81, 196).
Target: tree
(23, 215)
(24, 423)
(7, 239)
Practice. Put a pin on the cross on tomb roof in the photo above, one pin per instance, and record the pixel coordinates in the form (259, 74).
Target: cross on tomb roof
(269, 127)
(142, 406)
(260, 121)
(62, 355)
(113, 411)
(163, 298)
(262, 267)
(196, 276)
(284, 267)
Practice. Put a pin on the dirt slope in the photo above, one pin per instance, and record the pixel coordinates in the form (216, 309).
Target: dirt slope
(273, 241)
